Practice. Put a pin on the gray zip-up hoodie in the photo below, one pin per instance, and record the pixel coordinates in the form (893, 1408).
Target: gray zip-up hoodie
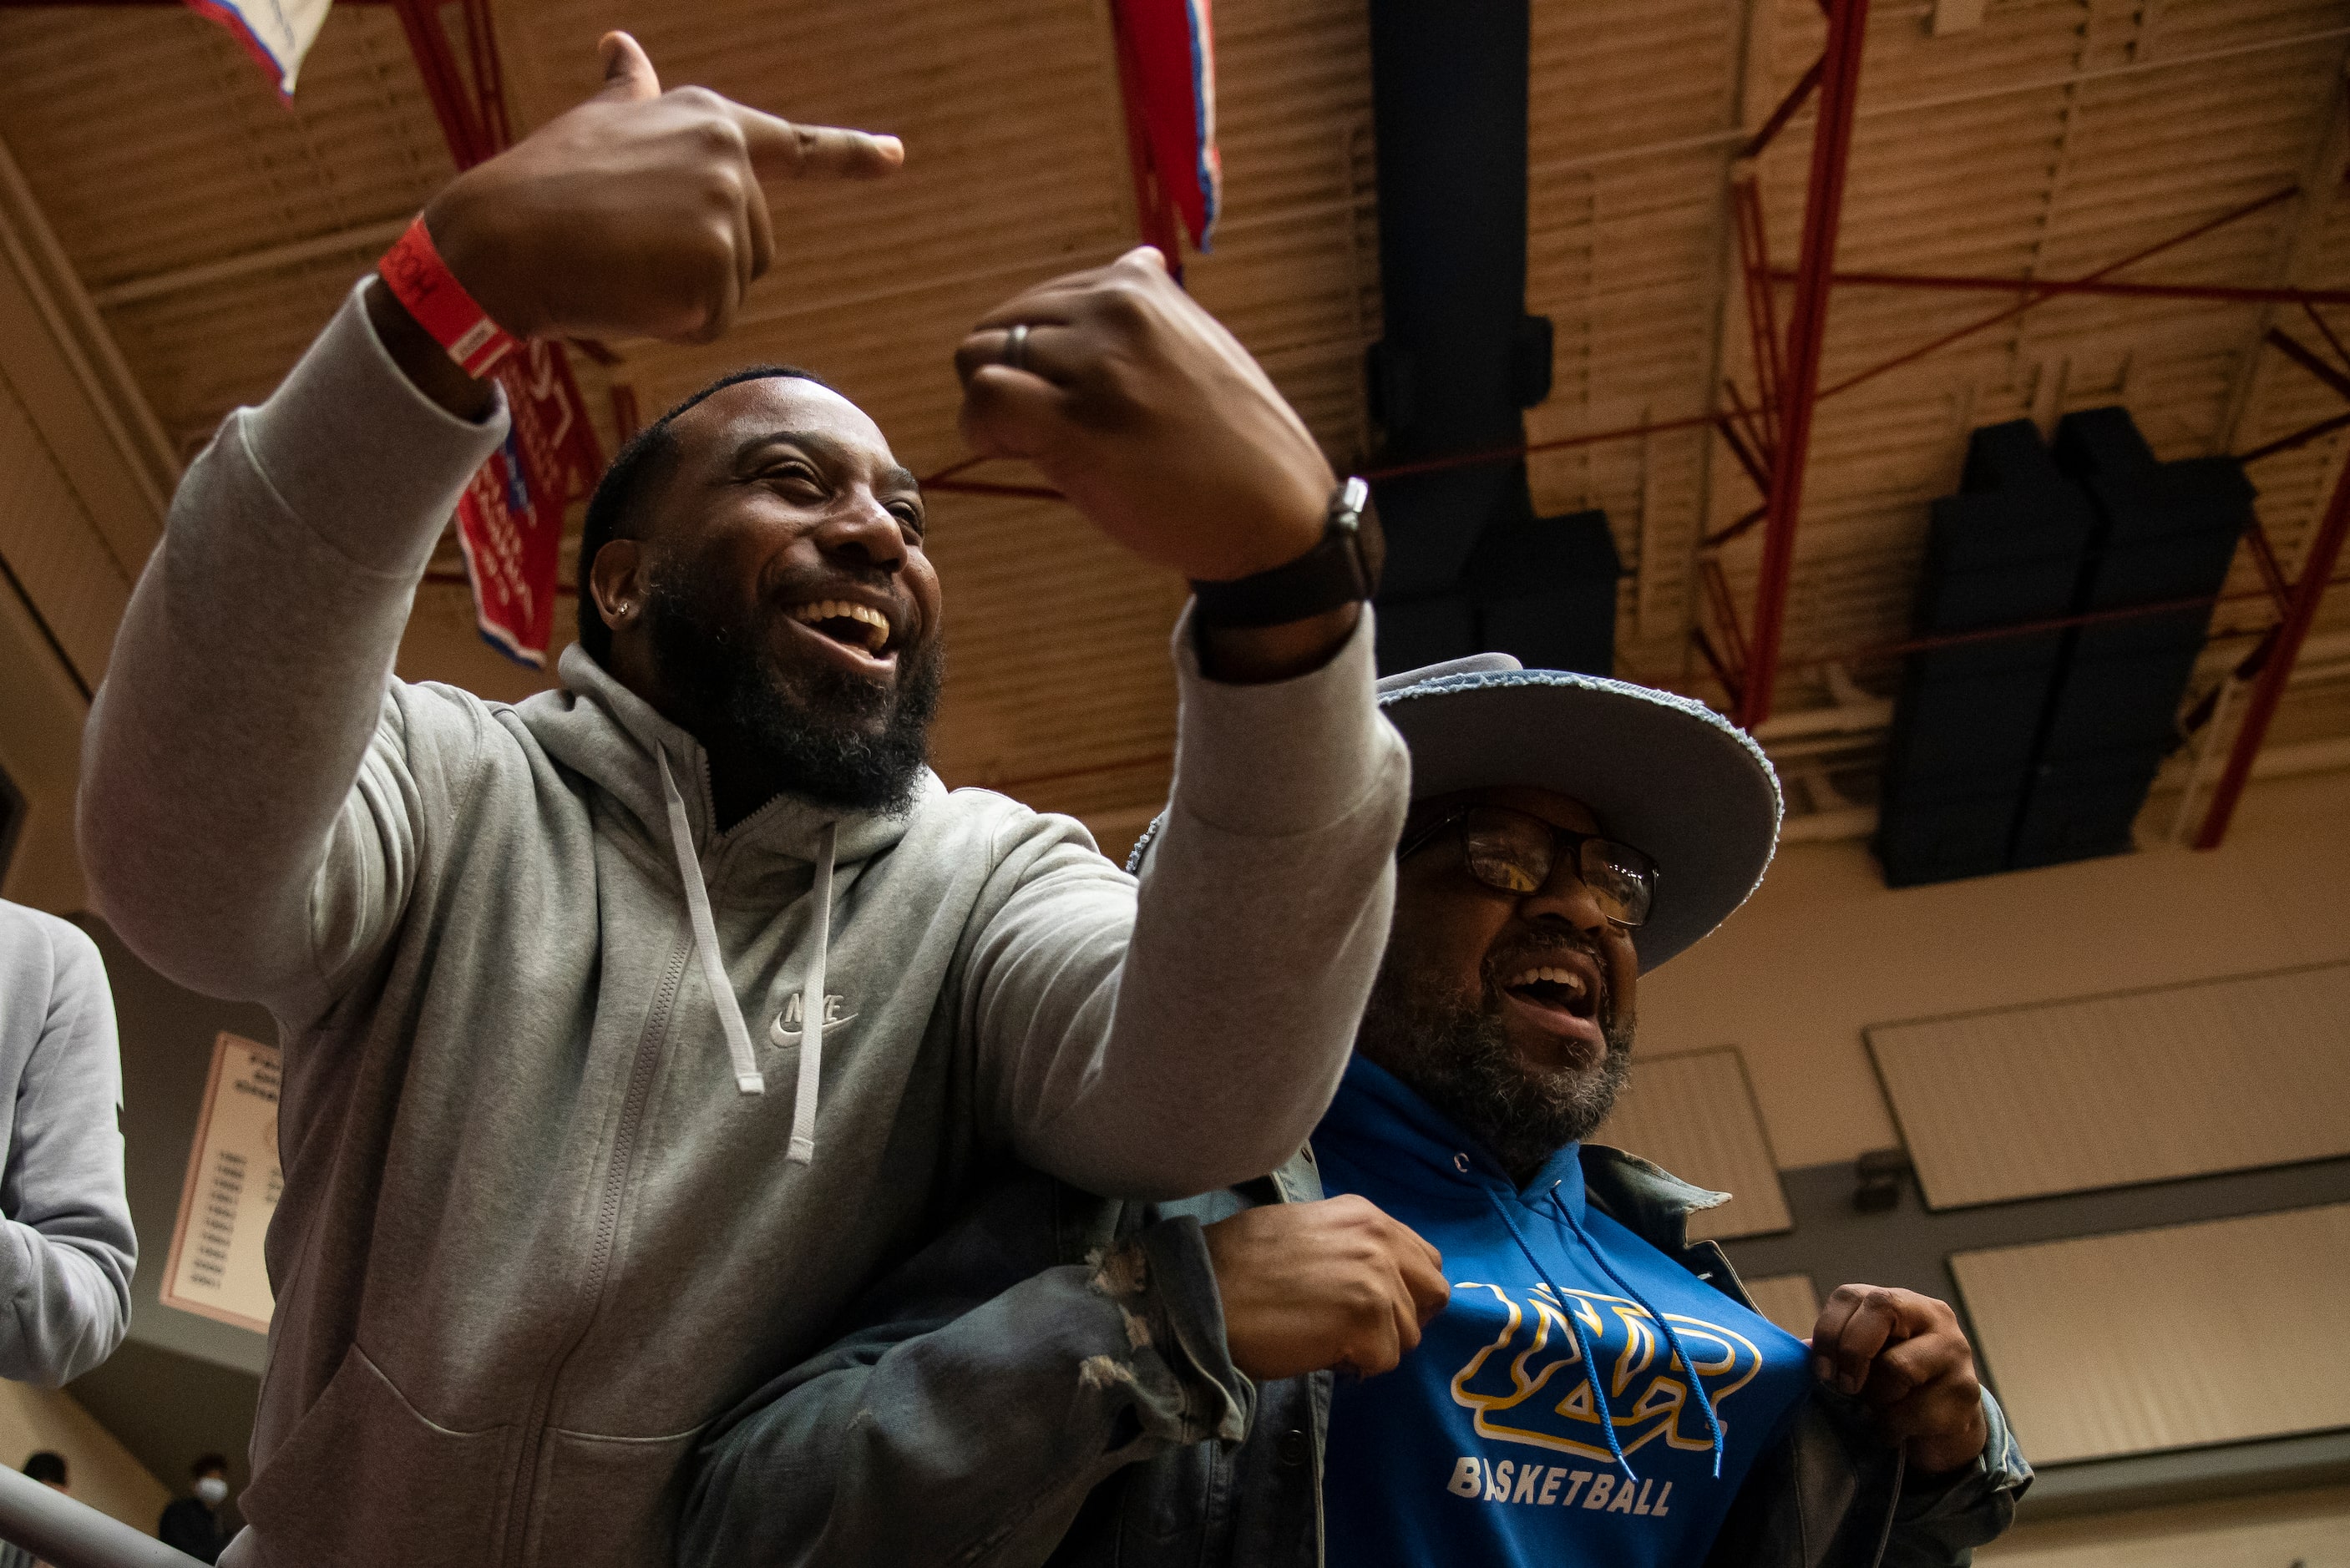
(66, 1245)
(553, 1198)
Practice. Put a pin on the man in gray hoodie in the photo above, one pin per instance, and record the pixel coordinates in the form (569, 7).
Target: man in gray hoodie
(66, 1245)
(631, 1030)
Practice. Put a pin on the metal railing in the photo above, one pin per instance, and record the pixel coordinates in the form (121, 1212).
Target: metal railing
(55, 1529)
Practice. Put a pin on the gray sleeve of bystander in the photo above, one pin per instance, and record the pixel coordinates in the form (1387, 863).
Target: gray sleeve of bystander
(67, 1249)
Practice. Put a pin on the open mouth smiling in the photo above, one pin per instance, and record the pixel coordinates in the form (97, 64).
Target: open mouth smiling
(1561, 997)
(863, 632)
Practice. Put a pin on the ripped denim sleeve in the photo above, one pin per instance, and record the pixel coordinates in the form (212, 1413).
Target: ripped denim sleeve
(973, 1438)
(1181, 1378)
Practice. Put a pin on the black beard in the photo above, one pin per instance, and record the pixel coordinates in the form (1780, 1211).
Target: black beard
(1457, 1057)
(822, 733)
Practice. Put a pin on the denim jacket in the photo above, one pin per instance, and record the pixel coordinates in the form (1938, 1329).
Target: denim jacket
(1046, 1383)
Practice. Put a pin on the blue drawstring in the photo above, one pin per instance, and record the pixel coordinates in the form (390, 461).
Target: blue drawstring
(1574, 1326)
(1704, 1401)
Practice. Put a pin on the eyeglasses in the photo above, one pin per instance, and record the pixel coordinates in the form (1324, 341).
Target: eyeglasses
(1514, 852)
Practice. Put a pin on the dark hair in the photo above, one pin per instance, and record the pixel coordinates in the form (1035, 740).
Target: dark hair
(47, 1467)
(643, 460)
(207, 1463)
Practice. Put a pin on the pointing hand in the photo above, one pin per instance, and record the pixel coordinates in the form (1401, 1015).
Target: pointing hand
(638, 213)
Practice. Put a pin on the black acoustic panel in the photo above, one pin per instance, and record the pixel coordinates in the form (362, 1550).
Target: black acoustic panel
(2082, 807)
(1967, 718)
(2166, 532)
(1414, 633)
(1433, 523)
(1544, 589)
(2008, 546)
(1944, 840)
(1963, 726)
(2123, 685)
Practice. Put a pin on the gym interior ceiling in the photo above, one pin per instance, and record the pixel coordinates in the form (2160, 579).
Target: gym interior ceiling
(212, 229)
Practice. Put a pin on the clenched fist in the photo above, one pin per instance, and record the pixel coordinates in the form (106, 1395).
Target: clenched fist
(1310, 1286)
(1150, 416)
(1905, 1357)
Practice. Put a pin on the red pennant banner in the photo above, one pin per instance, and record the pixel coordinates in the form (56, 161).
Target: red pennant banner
(510, 519)
(1166, 68)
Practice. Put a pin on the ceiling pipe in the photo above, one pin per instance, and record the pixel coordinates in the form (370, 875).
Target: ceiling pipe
(1839, 94)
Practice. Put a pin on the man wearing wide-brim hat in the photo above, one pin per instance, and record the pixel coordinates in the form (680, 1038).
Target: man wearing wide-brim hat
(1142, 1383)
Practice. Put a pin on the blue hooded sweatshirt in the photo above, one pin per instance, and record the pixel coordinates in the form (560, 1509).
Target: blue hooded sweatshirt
(1482, 1448)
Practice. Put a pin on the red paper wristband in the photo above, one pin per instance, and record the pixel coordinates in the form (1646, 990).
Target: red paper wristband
(412, 269)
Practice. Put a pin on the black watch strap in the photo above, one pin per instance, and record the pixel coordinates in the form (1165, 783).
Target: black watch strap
(1332, 573)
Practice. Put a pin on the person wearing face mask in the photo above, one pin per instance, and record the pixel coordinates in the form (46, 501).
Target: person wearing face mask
(193, 1525)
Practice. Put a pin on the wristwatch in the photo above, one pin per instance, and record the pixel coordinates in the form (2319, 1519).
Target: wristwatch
(1335, 571)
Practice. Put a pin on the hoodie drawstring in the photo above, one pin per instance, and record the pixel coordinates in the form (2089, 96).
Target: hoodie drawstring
(1697, 1383)
(1574, 1326)
(813, 1004)
(1892, 1506)
(747, 1077)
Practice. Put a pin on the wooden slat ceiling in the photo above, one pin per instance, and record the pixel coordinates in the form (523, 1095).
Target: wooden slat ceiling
(2054, 138)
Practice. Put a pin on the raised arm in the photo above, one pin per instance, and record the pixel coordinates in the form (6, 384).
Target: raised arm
(248, 793)
(66, 1248)
(1189, 1036)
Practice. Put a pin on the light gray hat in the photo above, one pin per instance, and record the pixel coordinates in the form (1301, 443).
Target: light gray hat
(1663, 774)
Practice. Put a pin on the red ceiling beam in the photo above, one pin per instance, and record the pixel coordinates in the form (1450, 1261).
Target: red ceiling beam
(2037, 296)
(1909, 356)
(2316, 575)
(1933, 641)
(2291, 348)
(472, 114)
(2332, 341)
(2045, 287)
(2298, 438)
(1787, 109)
(1839, 91)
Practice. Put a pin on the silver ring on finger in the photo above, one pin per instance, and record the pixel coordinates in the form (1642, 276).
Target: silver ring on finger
(1016, 346)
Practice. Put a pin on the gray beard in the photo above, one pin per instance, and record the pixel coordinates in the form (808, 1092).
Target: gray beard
(1457, 1057)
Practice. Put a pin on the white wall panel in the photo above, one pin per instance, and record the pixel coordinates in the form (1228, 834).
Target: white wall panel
(2310, 1527)
(2190, 1080)
(2172, 1338)
(1694, 1113)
